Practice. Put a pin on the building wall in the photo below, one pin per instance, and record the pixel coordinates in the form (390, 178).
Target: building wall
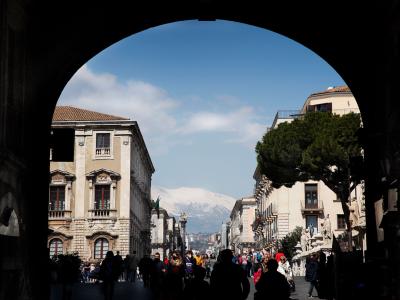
(126, 227)
(287, 202)
(248, 216)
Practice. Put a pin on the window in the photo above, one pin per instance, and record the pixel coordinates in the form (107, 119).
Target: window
(57, 198)
(102, 197)
(311, 195)
(56, 247)
(341, 223)
(103, 146)
(100, 248)
(312, 224)
(324, 107)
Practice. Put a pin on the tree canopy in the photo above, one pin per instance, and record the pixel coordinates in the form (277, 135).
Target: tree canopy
(289, 242)
(318, 146)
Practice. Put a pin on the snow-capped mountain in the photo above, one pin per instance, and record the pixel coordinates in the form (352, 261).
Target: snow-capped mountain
(206, 210)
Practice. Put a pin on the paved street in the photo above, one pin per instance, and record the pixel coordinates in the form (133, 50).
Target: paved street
(125, 291)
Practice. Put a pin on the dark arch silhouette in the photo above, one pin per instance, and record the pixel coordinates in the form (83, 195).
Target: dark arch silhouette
(43, 43)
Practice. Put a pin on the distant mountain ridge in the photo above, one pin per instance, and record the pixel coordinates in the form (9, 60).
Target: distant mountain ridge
(206, 210)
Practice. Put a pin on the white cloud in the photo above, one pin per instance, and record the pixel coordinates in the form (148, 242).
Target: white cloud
(241, 125)
(154, 109)
(143, 102)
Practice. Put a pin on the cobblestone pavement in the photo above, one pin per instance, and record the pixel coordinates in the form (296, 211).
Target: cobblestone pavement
(125, 291)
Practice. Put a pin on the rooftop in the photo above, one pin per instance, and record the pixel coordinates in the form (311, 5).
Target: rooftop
(70, 113)
(335, 89)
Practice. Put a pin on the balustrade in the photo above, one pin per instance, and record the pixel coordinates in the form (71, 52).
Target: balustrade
(59, 214)
(103, 151)
(102, 213)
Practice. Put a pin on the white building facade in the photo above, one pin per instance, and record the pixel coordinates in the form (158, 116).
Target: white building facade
(164, 233)
(306, 204)
(242, 217)
(100, 200)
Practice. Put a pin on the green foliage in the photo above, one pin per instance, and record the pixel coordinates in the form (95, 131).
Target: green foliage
(289, 242)
(319, 146)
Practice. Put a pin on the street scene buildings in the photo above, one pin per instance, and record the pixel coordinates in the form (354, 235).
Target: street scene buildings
(100, 200)
(165, 233)
(310, 205)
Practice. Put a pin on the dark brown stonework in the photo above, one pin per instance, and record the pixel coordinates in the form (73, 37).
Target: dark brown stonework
(43, 43)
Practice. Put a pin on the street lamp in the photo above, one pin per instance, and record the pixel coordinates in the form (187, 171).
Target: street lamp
(183, 221)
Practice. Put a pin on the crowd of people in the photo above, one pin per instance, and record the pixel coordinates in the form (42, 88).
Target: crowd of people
(196, 276)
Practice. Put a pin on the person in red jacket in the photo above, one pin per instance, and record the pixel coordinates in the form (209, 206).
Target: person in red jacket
(279, 254)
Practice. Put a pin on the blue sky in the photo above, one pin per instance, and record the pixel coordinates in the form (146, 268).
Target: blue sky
(203, 94)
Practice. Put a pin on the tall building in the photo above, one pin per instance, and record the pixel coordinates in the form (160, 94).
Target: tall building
(163, 233)
(100, 200)
(306, 204)
(242, 217)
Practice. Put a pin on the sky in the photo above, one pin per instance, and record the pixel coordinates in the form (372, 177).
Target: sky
(203, 94)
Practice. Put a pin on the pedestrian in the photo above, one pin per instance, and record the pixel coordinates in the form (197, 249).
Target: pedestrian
(243, 259)
(86, 272)
(109, 273)
(174, 278)
(249, 267)
(285, 269)
(197, 288)
(157, 274)
(132, 268)
(119, 264)
(145, 268)
(125, 267)
(279, 254)
(207, 265)
(272, 284)
(190, 263)
(228, 280)
(68, 273)
(323, 276)
(312, 274)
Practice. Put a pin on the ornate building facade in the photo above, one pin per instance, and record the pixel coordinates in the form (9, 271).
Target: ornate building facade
(308, 204)
(100, 200)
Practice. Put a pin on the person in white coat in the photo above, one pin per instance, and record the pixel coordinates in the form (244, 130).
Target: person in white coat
(285, 269)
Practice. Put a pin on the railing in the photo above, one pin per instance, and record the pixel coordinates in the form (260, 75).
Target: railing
(102, 213)
(103, 151)
(59, 214)
(285, 114)
(314, 208)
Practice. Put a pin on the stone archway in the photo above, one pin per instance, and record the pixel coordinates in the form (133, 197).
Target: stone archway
(43, 44)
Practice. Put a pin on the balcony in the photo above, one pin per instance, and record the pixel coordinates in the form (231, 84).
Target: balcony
(102, 213)
(316, 208)
(103, 151)
(59, 214)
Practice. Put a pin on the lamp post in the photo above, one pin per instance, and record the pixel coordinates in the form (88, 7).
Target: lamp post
(183, 221)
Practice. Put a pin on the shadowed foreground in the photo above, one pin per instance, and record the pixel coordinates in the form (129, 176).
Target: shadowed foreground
(125, 291)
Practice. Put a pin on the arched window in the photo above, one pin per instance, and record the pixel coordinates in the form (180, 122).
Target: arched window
(100, 248)
(56, 247)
